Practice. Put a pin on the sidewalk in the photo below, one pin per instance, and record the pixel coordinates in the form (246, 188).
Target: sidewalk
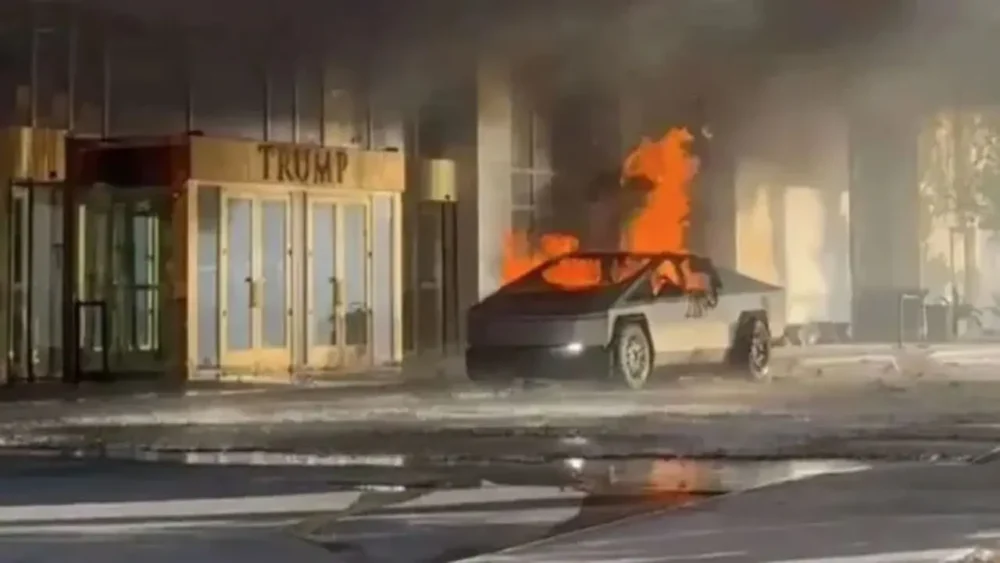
(343, 384)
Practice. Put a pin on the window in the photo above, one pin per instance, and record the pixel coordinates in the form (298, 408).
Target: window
(531, 170)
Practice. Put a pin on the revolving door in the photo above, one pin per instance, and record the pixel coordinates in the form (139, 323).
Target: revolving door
(34, 230)
(122, 316)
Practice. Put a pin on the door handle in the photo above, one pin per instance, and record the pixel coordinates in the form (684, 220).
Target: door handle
(254, 293)
(338, 294)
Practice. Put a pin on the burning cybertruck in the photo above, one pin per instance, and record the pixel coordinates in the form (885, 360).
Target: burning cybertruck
(618, 317)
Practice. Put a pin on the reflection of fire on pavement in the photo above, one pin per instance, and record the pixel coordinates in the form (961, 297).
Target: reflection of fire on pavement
(663, 482)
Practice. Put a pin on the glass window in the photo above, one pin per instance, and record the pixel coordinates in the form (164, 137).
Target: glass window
(239, 266)
(208, 275)
(383, 275)
(274, 272)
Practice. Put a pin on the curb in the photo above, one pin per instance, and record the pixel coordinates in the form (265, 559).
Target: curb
(207, 457)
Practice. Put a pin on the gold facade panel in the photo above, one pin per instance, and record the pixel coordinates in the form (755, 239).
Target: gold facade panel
(239, 161)
(438, 181)
(34, 155)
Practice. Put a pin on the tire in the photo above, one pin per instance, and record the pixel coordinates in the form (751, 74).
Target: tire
(632, 357)
(756, 349)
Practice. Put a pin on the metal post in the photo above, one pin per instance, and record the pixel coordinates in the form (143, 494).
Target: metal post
(29, 290)
(8, 294)
(905, 298)
(70, 326)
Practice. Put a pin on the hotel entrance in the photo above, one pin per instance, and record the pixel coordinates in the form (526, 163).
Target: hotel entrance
(296, 263)
(221, 258)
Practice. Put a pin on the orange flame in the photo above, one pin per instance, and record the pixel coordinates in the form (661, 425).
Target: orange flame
(665, 169)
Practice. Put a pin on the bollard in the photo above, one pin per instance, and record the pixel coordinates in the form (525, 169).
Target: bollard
(905, 298)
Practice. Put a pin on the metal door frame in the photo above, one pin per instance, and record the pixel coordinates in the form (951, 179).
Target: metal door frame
(20, 194)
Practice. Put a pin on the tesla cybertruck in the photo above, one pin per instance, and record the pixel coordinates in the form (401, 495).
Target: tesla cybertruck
(618, 317)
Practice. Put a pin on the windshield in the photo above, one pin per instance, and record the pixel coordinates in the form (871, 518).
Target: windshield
(580, 273)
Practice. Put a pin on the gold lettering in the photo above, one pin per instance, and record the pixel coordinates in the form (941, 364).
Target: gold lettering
(265, 154)
(302, 165)
(323, 170)
(303, 162)
(341, 165)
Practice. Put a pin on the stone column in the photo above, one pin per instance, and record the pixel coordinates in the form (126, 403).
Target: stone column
(484, 203)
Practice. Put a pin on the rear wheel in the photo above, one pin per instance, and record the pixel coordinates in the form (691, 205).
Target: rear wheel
(632, 357)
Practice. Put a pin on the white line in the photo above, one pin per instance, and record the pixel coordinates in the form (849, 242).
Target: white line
(54, 514)
(89, 528)
(278, 504)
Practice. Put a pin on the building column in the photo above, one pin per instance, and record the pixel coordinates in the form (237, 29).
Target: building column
(885, 202)
(484, 201)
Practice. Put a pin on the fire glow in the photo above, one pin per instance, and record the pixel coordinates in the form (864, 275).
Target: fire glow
(664, 170)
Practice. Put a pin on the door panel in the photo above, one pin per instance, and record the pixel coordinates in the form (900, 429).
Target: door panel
(680, 335)
(322, 268)
(355, 275)
(238, 260)
(273, 275)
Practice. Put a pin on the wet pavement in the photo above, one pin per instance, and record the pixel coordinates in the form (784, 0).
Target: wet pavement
(788, 510)
(115, 510)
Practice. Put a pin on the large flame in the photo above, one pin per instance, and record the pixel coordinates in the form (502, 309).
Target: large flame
(664, 169)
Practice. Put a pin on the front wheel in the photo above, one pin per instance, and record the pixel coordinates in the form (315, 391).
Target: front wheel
(632, 357)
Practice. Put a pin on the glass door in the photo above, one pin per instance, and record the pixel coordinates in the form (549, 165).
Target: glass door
(255, 278)
(338, 288)
(19, 231)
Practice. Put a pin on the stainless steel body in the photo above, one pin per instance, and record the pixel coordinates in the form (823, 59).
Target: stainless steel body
(534, 319)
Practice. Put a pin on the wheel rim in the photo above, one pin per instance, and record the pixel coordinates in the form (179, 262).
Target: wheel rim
(760, 350)
(635, 358)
